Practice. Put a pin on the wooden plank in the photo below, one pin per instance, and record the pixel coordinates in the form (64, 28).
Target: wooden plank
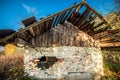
(85, 12)
(42, 28)
(107, 39)
(110, 48)
(32, 32)
(88, 25)
(71, 17)
(55, 21)
(98, 25)
(68, 14)
(73, 11)
(88, 28)
(33, 42)
(95, 12)
(28, 34)
(47, 24)
(36, 30)
(74, 17)
(50, 23)
(80, 21)
(98, 31)
(8, 37)
(28, 37)
(23, 36)
(46, 37)
(105, 34)
(78, 8)
(113, 44)
(61, 17)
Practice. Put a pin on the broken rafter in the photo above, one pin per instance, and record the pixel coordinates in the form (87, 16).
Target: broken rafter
(112, 44)
(82, 21)
(104, 34)
(98, 31)
(95, 12)
(8, 37)
(32, 31)
(85, 12)
(49, 17)
(38, 23)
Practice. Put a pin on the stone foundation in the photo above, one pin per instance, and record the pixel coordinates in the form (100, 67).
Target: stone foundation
(80, 63)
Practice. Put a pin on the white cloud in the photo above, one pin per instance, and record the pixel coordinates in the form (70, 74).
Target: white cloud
(30, 9)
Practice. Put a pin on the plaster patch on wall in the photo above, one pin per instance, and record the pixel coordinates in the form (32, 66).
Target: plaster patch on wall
(78, 61)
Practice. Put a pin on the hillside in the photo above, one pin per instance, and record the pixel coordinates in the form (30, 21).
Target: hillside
(112, 58)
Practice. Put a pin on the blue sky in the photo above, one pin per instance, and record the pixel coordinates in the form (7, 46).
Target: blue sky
(13, 11)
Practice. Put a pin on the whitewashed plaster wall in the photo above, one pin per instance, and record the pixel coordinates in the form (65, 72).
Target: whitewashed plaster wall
(80, 63)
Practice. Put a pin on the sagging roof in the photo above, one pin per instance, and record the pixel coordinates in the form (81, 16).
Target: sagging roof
(29, 21)
(80, 15)
(6, 32)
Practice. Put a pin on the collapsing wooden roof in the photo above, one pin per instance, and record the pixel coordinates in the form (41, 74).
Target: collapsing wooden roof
(80, 15)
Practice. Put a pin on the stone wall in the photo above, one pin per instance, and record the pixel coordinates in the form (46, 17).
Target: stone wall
(64, 35)
(79, 63)
(82, 59)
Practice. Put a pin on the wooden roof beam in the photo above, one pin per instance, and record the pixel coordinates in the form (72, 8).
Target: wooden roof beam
(105, 34)
(95, 12)
(112, 44)
(39, 22)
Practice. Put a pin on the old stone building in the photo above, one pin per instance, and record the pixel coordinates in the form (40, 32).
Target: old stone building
(66, 45)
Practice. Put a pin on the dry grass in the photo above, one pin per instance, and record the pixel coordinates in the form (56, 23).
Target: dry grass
(11, 67)
(111, 65)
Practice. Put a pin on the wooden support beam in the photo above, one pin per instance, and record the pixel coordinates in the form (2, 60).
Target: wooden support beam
(42, 28)
(28, 36)
(47, 24)
(37, 30)
(55, 21)
(105, 34)
(71, 17)
(22, 36)
(20, 41)
(110, 48)
(89, 28)
(98, 31)
(98, 25)
(32, 32)
(112, 44)
(88, 25)
(8, 37)
(84, 20)
(78, 8)
(50, 23)
(68, 14)
(107, 39)
(85, 12)
(95, 12)
(61, 17)
(74, 17)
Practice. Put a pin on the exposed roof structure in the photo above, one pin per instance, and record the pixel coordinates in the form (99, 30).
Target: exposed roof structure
(6, 32)
(80, 15)
(29, 21)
